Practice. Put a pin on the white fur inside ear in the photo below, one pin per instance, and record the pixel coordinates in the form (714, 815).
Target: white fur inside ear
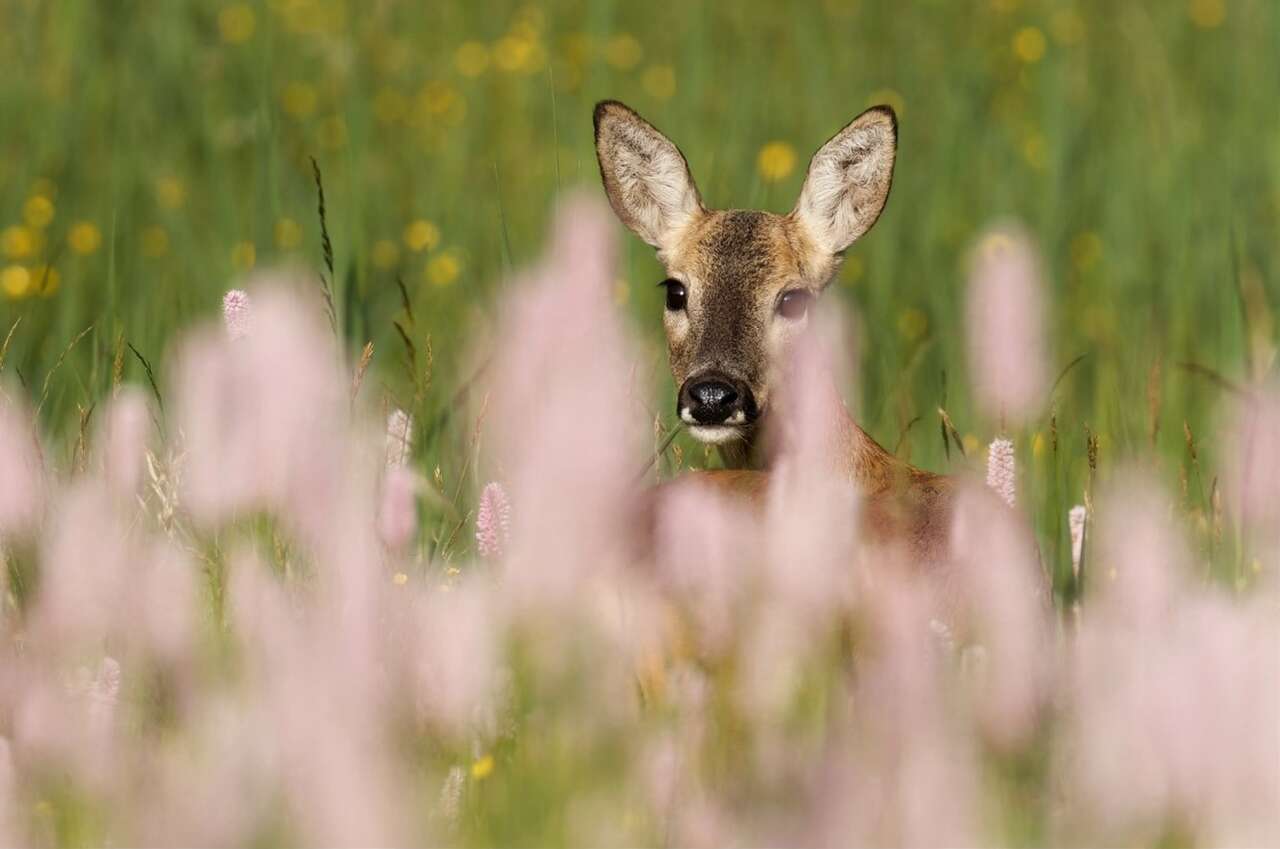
(647, 179)
(848, 182)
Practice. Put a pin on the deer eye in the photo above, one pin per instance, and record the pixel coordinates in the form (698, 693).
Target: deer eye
(677, 297)
(794, 305)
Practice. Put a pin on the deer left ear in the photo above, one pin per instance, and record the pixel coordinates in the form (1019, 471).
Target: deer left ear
(645, 175)
(848, 180)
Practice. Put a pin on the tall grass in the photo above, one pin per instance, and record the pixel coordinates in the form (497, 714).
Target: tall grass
(242, 632)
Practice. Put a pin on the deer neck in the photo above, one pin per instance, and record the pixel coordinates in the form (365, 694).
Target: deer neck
(855, 455)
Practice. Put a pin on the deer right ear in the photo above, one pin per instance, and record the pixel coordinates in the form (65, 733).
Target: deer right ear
(848, 180)
(645, 176)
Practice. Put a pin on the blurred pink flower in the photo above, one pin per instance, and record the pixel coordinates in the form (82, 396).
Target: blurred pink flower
(104, 692)
(1004, 606)
(493, 520)
(398, 513)
(1005, 326)
(1170, 696)
(567, 429)
(454, 665)
(1252, 442)
(22, 483)
(1002, 472)
(265, 419)
(123, 442)
(237, 313)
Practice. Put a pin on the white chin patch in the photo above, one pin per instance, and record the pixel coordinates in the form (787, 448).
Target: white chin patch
(715, 435)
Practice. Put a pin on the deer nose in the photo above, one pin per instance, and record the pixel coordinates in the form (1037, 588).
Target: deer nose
(715, 400)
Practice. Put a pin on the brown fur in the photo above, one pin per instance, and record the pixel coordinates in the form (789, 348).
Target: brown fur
(735, 265)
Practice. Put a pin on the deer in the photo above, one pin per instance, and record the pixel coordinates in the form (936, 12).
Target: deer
(740, 288)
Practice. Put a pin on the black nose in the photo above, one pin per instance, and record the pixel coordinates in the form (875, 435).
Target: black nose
(714, 399)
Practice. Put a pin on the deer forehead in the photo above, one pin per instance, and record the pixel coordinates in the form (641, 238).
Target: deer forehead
(745, 251)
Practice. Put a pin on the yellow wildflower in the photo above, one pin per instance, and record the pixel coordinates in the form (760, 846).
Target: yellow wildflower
(155, 242)
(471, 58)
(171, 193)
(288, 234)
(482, 768)
(623, 52)
(299, 99)
(18, 242)
(444, 268)
(970, 443)
(1029, 44)
(385, 254)
(660, 81)
(421, 235)
(38, 211)
(243, 256)
(1207, 14)
(913, 324)
(16, 281)
(399, 579)
(437, 96)
(84, 238)
(1038, 445)
(237, 23)
(518, 53)
(776, 160)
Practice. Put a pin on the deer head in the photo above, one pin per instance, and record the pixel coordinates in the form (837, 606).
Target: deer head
(740, 282)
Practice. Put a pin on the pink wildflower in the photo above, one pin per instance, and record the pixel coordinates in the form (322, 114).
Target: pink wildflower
(1005, 326)
(398, 515)
(22, 482)
(236, 313)
(493, 520)
(1002, 470)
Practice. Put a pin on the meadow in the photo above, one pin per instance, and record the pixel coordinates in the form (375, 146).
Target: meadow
(155, 156)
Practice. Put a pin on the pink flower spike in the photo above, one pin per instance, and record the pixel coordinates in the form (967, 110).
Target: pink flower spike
(493, 520)
(236, 313)
(1005, 326)
(1002, 474)
(398, 513)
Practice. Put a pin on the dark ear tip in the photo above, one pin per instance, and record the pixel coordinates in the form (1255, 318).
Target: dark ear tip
(886, 112)
(603, 108)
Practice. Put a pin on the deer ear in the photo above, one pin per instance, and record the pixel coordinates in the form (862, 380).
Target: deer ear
(645, 175)
(848, 180)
